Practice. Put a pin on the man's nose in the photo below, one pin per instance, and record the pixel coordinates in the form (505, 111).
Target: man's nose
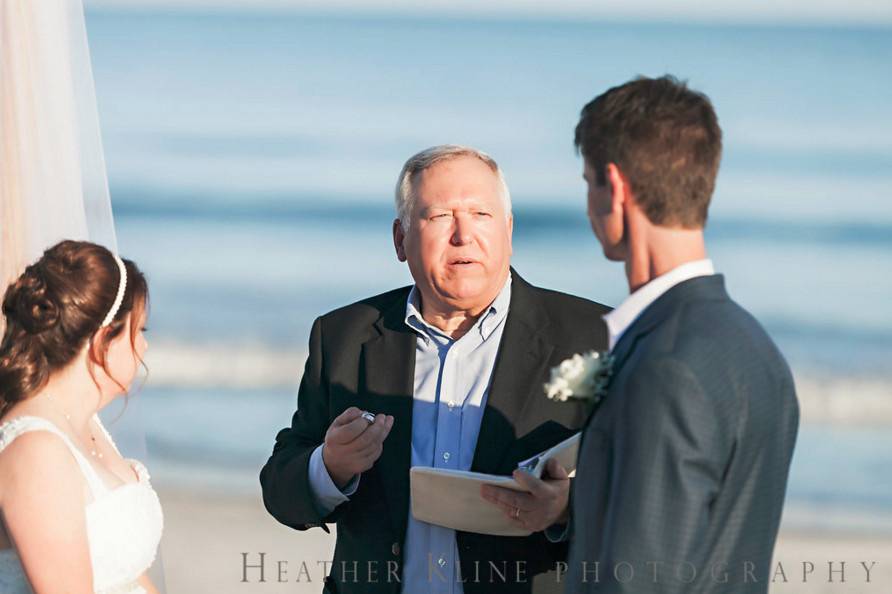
(461, 231)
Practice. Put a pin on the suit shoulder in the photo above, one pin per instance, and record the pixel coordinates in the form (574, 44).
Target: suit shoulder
(725, 345)
(565, 304)
(575, 322)
(364, 312)
(724, 321)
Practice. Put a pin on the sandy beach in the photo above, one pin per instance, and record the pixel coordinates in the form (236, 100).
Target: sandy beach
(214, 544)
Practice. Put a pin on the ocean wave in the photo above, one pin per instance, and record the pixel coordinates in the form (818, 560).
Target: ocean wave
(530, 219)
(844, 398)
(223, 365)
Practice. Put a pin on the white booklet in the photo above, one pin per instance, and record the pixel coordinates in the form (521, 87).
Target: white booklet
(451, 498)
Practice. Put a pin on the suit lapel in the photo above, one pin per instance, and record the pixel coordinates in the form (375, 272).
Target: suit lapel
(387, 374)
(520, 364)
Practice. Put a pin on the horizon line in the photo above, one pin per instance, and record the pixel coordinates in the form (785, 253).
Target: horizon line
(642, 12)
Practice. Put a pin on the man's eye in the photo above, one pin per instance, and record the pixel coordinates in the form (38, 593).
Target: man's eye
(482, 214)
(441, 216)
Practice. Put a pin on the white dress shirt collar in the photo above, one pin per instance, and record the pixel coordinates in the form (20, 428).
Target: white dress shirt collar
(619, 320)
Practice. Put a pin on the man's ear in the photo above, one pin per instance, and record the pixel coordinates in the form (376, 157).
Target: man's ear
(620, 190)
(399, 236)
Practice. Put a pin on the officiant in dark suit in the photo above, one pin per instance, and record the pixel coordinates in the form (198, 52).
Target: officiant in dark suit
(446, 373)
(682, 470)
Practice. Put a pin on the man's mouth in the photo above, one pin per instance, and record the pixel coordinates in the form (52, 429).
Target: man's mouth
(461, 262)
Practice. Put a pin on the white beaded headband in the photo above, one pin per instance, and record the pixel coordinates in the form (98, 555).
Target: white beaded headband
(122, 286)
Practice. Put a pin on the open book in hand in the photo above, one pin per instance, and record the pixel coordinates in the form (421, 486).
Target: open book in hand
(451, 498)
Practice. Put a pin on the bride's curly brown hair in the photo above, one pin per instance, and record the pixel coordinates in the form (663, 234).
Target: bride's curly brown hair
(56, 307)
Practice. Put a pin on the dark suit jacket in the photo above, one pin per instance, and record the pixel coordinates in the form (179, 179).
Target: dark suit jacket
(364, 355)
(684, 465)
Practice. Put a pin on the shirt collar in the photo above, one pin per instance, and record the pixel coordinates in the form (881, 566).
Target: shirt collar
(619, 320)
(486, 324)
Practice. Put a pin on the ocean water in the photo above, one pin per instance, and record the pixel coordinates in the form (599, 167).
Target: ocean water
(252, 159)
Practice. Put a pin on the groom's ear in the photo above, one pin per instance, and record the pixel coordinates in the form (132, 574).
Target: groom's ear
(620, 189)
(399, 236)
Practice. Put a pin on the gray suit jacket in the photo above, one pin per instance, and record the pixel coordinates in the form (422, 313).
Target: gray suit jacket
(683, 468)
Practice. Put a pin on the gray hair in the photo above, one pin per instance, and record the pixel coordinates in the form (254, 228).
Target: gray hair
(417, 163)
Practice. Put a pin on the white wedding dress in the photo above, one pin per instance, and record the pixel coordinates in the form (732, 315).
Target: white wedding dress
(123, 524)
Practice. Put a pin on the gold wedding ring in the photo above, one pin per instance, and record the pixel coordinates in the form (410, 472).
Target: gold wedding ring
(369, 417)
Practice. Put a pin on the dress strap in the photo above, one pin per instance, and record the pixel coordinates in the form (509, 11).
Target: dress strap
(13, 428)
(106, 434)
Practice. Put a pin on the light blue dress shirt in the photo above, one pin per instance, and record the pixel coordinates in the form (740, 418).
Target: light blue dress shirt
(452, 379)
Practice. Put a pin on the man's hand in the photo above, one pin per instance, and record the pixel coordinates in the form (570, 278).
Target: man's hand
(544, 505)
(352, 444)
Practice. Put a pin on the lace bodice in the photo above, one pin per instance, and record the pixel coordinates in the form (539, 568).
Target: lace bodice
(123, 524)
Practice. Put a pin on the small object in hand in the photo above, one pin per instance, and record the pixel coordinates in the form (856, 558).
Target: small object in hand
(516, 513)
(529, 465)
(369, 417)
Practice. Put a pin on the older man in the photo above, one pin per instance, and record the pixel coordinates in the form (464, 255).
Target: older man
(453, 369)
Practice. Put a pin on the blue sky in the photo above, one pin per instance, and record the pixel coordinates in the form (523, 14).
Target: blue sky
(824, 12)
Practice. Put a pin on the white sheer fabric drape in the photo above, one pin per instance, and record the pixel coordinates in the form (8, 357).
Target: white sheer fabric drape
(53, 183)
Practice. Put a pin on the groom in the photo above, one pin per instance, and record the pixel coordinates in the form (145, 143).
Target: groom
(449, 373)
(682, 471)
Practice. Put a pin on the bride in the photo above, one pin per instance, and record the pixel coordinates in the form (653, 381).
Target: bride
(77, 517)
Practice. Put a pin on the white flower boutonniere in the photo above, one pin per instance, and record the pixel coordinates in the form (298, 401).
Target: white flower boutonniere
(582, 376)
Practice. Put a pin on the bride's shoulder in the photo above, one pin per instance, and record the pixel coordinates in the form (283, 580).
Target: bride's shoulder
(29, 459)
(41, 491)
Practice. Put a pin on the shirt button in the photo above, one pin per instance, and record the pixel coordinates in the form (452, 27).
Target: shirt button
(446, 456)
(395, 549)
(451, 405)
(441, 561)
